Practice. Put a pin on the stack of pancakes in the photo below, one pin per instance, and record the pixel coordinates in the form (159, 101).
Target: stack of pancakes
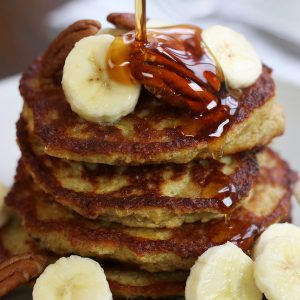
(140, 196)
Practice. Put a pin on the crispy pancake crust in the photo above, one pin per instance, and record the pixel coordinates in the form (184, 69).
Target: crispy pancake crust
(153, 133)
(124, 281)
(144, 196)
(63, 231)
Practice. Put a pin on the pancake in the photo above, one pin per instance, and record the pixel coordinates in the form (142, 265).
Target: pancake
(154, 132)
(144, 196)
(62, 231)
(124, 281)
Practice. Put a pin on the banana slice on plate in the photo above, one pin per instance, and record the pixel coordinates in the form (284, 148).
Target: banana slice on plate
(222, 272)
(238, 59)
(72, 278)
(92, 94)
(4, 213)
(275, 231)
(277, 269)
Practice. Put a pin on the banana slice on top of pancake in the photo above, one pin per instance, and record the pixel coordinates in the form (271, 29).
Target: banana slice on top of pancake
(238, 59)
(92, 94)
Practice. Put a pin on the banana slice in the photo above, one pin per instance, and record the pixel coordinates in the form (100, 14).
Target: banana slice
(222, 272)
(277, 269)
(274, 231)
(239, 61)
(72, 278)
(89, 90)
(4, 213)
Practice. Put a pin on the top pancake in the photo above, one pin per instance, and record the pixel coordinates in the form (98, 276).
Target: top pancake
(153, 133)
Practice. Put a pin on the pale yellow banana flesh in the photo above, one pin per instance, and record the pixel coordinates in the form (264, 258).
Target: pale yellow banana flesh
(277, 262)
(238, 59)
(222, 272)
(72, 278)
(87, 86)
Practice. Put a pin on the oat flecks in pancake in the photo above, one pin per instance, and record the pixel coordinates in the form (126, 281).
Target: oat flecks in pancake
(152, 134)
(63, 232)
(145, 196)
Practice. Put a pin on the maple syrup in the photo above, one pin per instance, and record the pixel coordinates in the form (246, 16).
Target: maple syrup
(175, 65)
(118, 58)
(140, 20)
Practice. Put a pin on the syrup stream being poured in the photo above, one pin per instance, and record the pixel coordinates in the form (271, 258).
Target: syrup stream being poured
(140, 20)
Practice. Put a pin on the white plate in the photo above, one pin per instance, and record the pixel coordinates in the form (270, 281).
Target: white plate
(11, 104)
